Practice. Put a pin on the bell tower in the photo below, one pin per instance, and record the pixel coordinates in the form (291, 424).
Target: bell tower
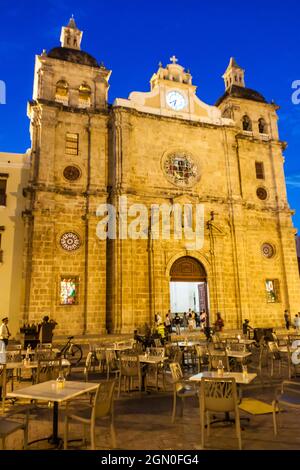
(234, 75)
(71, 36)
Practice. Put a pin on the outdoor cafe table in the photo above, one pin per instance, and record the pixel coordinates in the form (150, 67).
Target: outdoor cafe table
(151, 360)
(29, 365)
(238, 354)
(189, 344)
(240, 378)
(53, 391)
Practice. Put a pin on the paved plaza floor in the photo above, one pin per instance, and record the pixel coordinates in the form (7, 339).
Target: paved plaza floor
(143, 422)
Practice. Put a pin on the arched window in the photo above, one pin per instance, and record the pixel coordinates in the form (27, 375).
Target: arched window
(62, 92)
(247, 124)
(84, 96)
(262, 126)
(227, 113)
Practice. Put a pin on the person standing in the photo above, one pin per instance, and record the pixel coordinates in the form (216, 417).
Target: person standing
(177, 323)
(4, 336)
(246, 328)
(219, 323)
(168, 324)
(203, 318)
(287, 319)
(45, 330)
(297, 322)
(4, 331)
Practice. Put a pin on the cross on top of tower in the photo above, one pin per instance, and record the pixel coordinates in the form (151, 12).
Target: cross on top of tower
(173, 59)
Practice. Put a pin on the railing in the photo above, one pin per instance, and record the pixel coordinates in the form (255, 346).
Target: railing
(264, 137)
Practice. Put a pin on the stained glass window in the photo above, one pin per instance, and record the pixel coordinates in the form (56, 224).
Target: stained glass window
(68, 290)
(272, 290)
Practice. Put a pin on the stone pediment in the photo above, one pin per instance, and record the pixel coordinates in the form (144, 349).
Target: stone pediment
(185, 199)
(173, 95)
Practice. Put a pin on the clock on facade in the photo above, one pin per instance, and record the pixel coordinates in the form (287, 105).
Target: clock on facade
(175, 100)
(70, 241)
(180, 169)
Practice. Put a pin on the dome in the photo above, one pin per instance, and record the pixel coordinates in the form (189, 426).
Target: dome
(73, 55)
(241, 92)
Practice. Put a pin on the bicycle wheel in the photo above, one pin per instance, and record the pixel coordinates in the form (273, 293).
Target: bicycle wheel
(73, 354)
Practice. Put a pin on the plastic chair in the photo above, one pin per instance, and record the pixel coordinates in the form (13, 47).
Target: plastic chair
(218, 395)
(102, 407)
(112, 363)
(47, 370)
(182, 388)
(130, 369)
(201, 356)
(217, 355)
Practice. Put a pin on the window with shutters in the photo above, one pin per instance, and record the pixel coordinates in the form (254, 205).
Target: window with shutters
(72, 143)
(260, 171)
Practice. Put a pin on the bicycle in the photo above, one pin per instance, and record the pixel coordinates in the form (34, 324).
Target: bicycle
(72, 352)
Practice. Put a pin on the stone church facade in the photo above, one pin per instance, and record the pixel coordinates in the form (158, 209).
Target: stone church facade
(161, 147)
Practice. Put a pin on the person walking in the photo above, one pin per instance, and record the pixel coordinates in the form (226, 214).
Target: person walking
(287, 319)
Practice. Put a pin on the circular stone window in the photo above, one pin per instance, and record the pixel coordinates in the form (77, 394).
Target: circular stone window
(70, 241)
(180, 169)
(72, 173)
(267, 250)
(262, 194)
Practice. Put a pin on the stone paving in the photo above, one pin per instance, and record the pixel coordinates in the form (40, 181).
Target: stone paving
(143, 422)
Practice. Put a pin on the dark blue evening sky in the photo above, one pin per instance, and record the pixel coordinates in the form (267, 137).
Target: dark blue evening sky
(132, 36)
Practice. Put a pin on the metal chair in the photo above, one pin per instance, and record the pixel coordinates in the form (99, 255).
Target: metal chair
(102, 407)
(8, 426)
(277, 357)
(287, 396)
(218, 395)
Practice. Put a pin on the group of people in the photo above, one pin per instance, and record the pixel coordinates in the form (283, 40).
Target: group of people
(296, 321)
(44, 332)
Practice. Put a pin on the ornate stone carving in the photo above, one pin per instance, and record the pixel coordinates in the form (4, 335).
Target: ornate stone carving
(261, 193)
(72, 173)
(267, 250)
(180, 169)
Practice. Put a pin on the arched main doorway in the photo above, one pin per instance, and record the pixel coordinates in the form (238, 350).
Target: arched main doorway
(188, 286)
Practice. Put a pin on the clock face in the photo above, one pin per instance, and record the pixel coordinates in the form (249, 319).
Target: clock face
(175, 100)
